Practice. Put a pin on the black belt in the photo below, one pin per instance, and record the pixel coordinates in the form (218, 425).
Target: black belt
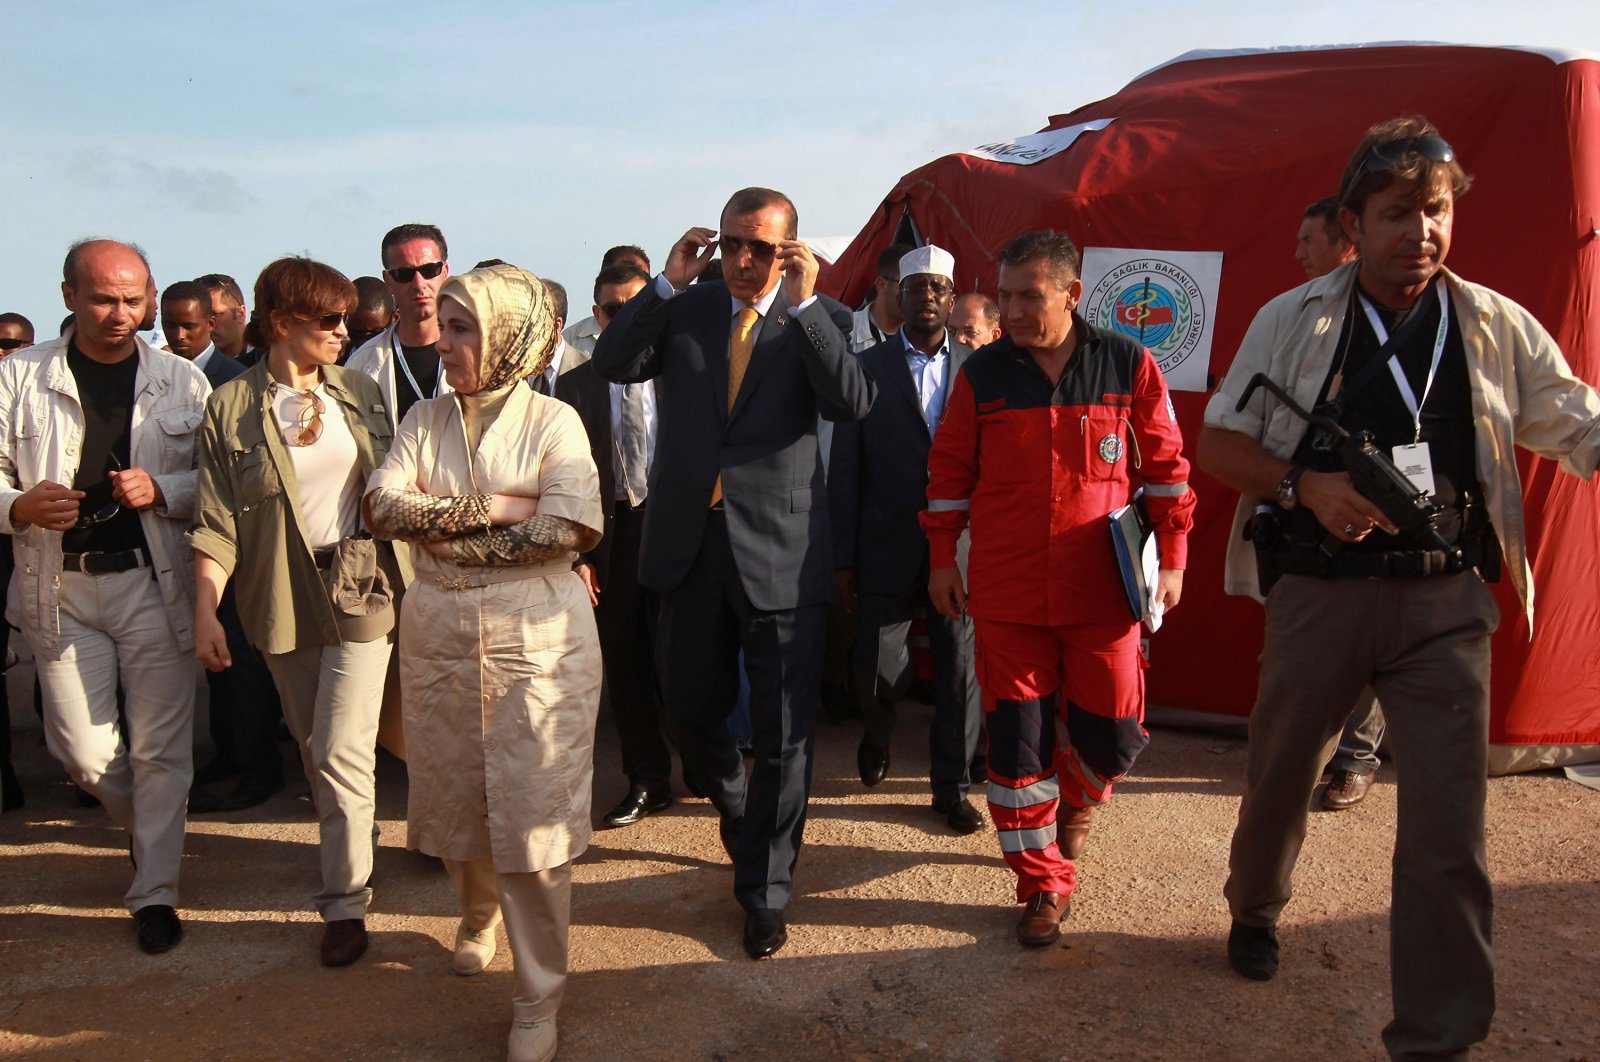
(1397, 564)
(97, 562)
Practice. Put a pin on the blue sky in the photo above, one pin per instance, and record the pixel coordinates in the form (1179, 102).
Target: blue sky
(220, 136)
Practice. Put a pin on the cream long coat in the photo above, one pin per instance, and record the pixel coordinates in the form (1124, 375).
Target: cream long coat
(500, 680)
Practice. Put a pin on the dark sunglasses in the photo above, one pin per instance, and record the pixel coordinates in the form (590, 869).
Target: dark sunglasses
(405, 274)
(105, 512)
(760, 250)
(611, 309)
(328, 321)
(1385, 156)
(7, 343)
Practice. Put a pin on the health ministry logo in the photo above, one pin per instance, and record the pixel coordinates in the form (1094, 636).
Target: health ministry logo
(1154, 302)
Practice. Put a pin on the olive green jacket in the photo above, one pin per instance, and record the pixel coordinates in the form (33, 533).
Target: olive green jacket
(247, 514)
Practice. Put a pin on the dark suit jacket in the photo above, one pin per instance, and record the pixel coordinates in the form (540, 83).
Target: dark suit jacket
(878, 476)
(582, 388)
(765, 448)
(220, 369)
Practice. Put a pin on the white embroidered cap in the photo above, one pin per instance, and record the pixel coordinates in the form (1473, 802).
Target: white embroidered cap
(930, 259)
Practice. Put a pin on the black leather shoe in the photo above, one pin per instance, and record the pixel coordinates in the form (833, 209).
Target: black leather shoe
(251, 792)
(729, 829)
(640, 803)
(764, 932)
(873, 762)
(962, 816)
(344, 940)
(159, 928)
(205, 802)
(1253, 951)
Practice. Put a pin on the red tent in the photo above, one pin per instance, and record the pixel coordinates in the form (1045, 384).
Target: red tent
(1222, 152)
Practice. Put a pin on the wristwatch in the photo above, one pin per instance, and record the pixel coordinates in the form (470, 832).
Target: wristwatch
(1288, 494)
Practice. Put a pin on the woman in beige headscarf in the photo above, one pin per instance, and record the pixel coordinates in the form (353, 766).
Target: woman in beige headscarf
(499, 659)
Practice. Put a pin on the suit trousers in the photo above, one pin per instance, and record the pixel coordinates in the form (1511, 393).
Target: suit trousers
(244, 709)
(118, 623)
(538, 912)
(1363, 733)
(883, 674)
(626, 618)
(332, 695)
(705, 620)
(1423, 646)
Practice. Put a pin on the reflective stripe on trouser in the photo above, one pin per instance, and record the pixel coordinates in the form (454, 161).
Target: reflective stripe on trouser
(1023, 670)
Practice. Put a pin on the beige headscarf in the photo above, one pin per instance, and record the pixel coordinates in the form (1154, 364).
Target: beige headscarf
(514, 315)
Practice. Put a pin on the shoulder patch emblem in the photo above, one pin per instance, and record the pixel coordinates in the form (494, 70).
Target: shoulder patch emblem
(1111, 448)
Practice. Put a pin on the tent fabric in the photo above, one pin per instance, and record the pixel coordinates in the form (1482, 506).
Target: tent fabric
(1222, 152)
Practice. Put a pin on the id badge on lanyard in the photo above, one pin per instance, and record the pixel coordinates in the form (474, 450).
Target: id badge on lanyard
(1414, 460)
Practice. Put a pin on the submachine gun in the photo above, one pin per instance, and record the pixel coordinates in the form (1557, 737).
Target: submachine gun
(1372, 473)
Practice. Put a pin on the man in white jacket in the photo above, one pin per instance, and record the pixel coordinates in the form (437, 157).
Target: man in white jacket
(97, 487)
(402, 357)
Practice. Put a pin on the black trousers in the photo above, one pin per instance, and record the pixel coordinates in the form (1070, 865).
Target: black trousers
(244, 709)
(705, 621)
(627, 618)
(883, 673)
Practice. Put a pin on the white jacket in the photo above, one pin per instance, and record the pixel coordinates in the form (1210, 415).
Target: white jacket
(375, 357)
(41, 434)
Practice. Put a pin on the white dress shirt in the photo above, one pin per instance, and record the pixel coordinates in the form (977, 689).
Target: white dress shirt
(929, 372)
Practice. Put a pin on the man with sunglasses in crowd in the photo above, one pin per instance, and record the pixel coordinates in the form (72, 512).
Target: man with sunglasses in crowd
(1446, 375)
(581, 335)
(16, 332)
(736, 531)
(228, 318)
(97, 487)
(403, 358)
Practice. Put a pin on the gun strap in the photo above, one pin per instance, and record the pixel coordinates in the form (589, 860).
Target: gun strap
(1389, 349)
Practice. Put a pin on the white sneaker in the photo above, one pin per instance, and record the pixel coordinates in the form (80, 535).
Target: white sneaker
(474, 950)
(532, 1041)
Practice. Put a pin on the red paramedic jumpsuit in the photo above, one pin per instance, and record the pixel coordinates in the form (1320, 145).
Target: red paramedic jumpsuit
(1036, 468)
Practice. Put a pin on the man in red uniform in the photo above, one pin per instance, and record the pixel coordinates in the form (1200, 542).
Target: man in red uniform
(1046, 432)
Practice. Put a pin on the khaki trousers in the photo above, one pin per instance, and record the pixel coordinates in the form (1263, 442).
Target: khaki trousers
(537, 907)
(116, 625)
(1423, 646)
(332, 695)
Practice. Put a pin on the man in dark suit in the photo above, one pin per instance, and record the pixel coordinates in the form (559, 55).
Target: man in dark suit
(243, 709)
(736, 533)
(877, 484)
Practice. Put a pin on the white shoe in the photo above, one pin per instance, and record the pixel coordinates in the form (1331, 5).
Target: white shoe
(532, 1041)
(474, 950)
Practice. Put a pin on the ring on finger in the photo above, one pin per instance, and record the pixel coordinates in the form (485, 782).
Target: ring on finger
(1350, 529)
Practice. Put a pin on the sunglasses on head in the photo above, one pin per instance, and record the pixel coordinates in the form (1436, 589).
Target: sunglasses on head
(7, 343)
(760, 250)
(1385, 156)
(405, 274)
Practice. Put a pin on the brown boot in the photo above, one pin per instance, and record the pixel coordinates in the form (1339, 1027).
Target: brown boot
(1041, 919)
(1072, 830)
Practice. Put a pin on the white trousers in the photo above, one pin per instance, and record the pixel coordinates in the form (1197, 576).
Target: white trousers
(116, 625)
(537, 907)
(332, 695)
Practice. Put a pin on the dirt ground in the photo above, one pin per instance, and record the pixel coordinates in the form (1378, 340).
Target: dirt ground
(900, 943)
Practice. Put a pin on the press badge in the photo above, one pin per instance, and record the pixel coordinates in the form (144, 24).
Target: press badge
(1416, 464)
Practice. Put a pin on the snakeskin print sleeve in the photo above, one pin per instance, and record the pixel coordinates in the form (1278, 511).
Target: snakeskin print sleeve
(412, 516)
(541, 538)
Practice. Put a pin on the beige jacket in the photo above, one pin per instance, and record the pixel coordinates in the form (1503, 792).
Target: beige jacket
(499, 667)
(375, 358)
(1522, 393)
(41, 429)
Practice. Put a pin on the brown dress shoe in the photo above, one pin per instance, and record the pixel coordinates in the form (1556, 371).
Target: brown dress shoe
(1346, 790)
(344, 940)
(1072, 830)
(1041, 919)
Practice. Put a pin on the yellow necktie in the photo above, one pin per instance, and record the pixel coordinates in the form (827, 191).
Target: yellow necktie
(740, 344)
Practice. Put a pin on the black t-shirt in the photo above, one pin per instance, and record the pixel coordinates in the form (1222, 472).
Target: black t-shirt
(106, 394)
(423, 362)
(1378, 407)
